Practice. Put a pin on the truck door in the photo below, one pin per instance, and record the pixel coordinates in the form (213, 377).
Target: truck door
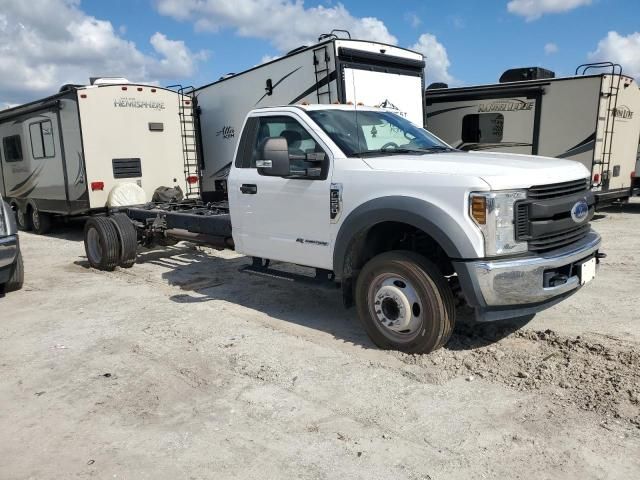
(277, 218)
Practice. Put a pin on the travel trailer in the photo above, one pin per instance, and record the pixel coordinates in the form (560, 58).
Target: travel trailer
(335, 70)
(593, 118)
(86, 148)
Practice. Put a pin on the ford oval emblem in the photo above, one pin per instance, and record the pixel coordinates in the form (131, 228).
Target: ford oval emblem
(579, 211)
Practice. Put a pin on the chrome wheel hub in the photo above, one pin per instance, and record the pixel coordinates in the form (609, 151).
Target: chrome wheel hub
(396, 304)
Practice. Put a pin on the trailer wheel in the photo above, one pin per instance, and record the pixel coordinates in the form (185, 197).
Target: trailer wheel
(16, 280)
(40, 222)
(405, 303)
(101, 243)
(22, 219)
(128, 239)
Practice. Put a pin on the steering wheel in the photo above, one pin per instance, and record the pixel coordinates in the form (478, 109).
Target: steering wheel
(389, 145)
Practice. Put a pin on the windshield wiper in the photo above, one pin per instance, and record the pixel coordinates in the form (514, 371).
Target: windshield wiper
(390, 151)
(439, 148)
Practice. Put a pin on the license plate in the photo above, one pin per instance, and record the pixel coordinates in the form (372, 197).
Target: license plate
(587, 271)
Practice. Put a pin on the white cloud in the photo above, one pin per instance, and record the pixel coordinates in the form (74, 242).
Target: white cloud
(177, 60)
(412, 19)
(617, 48)
(534, 9)
(436, 59)
(286, 24)
(550, 48)
(46, 43)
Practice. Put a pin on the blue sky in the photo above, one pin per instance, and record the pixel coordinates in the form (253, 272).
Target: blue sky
(482, 38)
(46, 42)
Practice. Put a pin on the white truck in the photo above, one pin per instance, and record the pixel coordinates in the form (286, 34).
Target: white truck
(402, 221)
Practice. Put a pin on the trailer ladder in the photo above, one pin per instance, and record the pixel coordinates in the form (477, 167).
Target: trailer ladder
(186, 110)
(603, 164)
(321, 66)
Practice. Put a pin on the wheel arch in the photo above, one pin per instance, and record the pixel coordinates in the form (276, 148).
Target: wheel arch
(416, 213)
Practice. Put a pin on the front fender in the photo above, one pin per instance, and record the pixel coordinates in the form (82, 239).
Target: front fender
(409, 210)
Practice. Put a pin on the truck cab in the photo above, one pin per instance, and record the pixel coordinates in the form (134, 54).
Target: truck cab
(403, 220)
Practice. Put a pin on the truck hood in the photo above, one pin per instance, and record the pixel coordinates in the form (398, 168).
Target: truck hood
(502, 171)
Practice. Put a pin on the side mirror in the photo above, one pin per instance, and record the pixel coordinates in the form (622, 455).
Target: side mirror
(275, 158)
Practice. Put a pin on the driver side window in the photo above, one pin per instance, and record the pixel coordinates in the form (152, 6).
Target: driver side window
(300, 143)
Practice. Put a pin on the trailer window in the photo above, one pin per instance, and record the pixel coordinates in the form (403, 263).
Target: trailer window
(12, 147)
(42, 145)
(482, 128)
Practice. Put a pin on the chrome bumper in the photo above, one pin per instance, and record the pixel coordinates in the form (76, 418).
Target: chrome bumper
(514, 286)
(8, 250)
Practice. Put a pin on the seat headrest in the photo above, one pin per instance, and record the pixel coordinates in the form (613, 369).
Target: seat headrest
(293, 138)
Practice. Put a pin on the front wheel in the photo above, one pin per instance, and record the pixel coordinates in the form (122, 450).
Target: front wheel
(405, 303)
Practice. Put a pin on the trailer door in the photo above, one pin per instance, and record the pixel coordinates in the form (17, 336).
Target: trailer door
(399, 92)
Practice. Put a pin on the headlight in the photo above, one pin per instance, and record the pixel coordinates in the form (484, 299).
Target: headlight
(494, 214)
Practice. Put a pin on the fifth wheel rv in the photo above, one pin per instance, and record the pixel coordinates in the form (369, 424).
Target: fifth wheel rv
(335, 70)
(593, 118)
(88, 148)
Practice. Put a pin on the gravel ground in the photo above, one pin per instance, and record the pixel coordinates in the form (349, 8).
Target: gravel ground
(182, 367)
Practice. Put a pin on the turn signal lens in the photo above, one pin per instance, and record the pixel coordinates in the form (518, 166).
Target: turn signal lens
(97, 186)
(479, 209)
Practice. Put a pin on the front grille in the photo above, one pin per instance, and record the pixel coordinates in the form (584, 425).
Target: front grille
(523, 229)
(544, 218)
(557, 240)
(127, 168)
(545, 192)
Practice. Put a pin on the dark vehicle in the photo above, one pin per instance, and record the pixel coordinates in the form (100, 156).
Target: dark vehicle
(11, 267)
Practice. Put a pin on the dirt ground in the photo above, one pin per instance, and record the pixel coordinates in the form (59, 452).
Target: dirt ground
(182, 367)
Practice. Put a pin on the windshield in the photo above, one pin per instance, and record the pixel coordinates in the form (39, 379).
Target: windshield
(366, 132)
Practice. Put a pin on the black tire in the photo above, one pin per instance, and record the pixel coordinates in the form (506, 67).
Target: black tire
(101, 243)
(16, 280)
(40, 222)
(23, 220)
(128, 239)
(405, 303)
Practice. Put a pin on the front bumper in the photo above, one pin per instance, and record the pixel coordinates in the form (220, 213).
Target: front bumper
(8, 255)
(509, 288)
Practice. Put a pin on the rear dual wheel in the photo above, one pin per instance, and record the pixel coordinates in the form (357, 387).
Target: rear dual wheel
(110, 241)
(128, 239)
(405, 303)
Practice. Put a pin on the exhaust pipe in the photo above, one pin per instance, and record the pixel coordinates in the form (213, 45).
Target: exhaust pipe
(219, 243)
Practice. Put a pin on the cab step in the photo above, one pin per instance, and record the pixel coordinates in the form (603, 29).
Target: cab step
(262, 268)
